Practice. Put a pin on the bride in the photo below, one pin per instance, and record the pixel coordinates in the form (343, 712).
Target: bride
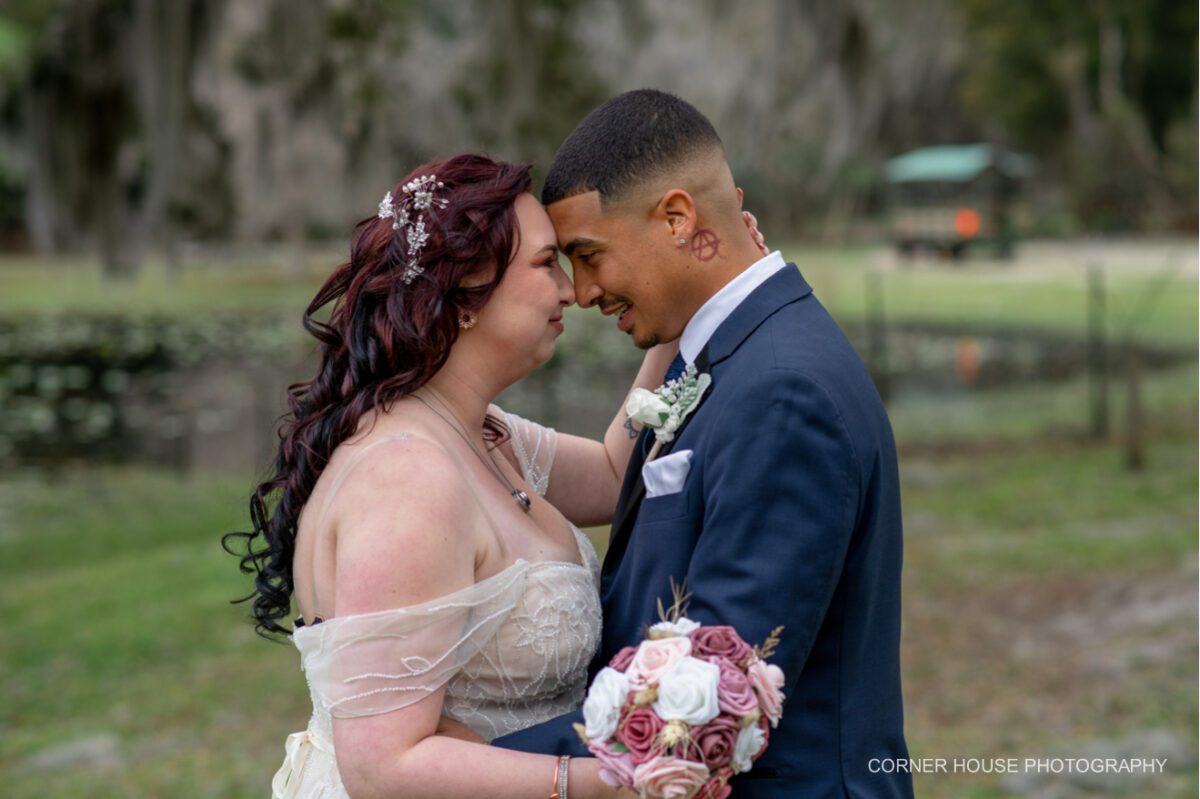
(429, 541)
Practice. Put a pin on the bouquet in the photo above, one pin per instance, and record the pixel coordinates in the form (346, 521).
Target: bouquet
(681, 713)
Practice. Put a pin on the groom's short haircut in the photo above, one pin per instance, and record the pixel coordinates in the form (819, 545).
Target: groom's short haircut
(630, 139)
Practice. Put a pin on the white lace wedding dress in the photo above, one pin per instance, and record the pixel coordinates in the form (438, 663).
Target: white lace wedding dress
(512, 650)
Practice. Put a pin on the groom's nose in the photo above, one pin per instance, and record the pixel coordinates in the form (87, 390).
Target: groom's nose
(587, 292)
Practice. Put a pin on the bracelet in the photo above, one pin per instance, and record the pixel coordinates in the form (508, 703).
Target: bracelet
(561, 773)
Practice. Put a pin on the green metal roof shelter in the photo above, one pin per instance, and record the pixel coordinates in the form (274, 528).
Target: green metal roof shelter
(956, 163)
(947, 197)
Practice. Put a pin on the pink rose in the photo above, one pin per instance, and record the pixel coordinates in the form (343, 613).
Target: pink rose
(717, 786)
(621, 660)
(721, 641)
(655, 657)
(767, 680)
(638, 730)
(716, 741)
(734, 692)
(670, 777)
(615, 769)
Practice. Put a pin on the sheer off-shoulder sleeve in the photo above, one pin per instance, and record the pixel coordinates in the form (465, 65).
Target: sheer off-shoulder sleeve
(373, 663)
(535, 446)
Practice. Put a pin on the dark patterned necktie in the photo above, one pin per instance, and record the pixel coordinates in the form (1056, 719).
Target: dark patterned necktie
(674, 372)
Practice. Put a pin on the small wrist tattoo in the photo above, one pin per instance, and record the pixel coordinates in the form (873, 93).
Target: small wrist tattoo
(629, 426)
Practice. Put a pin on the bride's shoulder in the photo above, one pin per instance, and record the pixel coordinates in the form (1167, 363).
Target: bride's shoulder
(404, 533)
(388, 468)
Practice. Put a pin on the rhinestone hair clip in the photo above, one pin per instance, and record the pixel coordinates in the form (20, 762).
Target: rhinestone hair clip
(409, 213)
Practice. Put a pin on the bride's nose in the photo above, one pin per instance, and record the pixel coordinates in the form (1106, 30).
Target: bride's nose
(566, 291)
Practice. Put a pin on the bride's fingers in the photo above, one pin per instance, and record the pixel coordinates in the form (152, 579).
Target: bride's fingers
(752, 223)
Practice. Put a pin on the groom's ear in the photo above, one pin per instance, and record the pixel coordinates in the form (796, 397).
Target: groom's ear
(678, 210)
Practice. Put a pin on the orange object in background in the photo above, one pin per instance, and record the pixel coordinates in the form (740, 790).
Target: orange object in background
(966, 223)
(966, 359)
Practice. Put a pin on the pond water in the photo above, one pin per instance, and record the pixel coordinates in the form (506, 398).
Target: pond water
(207, 393)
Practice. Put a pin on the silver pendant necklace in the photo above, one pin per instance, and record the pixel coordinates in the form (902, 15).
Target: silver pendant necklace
(519, 496)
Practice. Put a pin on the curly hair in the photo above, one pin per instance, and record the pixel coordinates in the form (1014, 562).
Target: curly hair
(383, 340)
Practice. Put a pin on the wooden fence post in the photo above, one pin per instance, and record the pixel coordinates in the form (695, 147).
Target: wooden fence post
(1097, 350)
(877, 334)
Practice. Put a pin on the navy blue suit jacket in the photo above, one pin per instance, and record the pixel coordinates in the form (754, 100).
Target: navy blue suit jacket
(790, 515)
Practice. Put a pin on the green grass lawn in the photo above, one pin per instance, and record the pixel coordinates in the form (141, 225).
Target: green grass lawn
(30, 285)
(1019, 568)
(1045, 288)
(118, 628)
(1050, 612)
(1152, 296)
(1049, 593)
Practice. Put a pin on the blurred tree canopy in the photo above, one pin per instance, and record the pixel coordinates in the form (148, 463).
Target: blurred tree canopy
(128, 124)
(1104, 91)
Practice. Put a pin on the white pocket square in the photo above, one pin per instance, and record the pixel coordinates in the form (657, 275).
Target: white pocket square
(665, 475)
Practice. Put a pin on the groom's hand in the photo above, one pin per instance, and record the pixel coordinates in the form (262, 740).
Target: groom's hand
(752, 224)
(450, 728)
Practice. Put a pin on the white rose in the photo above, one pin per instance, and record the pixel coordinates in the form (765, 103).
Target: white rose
(647, 407)
(687, 692)
(749, 741)
(681, 627)
(602, 708)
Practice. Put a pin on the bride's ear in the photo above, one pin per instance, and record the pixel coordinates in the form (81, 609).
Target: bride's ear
(477, 279)
(677, 210)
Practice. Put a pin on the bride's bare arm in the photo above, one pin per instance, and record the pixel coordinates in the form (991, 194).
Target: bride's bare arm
(587, 475)
(404, 537)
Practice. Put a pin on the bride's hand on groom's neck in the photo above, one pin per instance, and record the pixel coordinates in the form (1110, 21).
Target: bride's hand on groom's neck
(755, 233)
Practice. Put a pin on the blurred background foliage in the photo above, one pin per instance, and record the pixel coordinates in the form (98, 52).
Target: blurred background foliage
(135, 124)
(177, 178)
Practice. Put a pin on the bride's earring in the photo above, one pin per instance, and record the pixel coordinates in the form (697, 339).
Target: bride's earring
(680, 242)
(467, 319)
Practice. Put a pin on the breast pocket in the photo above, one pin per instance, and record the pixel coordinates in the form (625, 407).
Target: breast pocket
(660, 509)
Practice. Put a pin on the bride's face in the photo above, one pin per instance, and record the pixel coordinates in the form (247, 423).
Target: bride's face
(523, 317)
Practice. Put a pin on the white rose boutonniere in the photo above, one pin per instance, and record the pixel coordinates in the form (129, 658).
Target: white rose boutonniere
(664, 409)
(647, 407)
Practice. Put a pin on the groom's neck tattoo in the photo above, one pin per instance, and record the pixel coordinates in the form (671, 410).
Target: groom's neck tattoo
(705, 244)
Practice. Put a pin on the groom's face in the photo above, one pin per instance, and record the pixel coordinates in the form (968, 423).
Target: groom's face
(622, 262)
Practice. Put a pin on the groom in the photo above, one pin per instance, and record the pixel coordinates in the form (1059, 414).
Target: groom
(778, 502)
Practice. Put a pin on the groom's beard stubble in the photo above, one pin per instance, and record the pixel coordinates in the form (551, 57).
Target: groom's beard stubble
(645, 343)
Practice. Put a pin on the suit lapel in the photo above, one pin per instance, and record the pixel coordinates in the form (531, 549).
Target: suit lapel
(784, 287)
(780, 289)
(633, 489)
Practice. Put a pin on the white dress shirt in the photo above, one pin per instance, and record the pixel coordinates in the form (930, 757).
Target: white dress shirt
(705, 321)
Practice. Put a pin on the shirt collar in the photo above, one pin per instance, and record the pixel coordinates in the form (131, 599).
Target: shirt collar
(719, 306)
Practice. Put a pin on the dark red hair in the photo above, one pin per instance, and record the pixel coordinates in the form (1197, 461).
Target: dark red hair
(384, 339)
